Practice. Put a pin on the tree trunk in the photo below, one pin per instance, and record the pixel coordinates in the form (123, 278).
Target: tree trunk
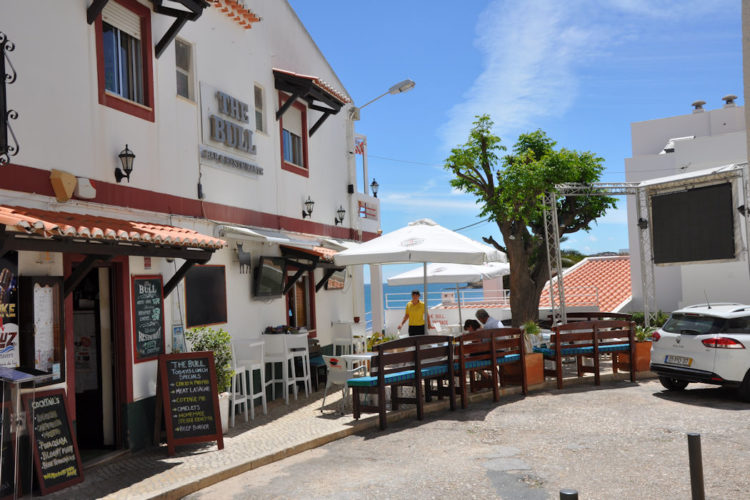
(524, 286)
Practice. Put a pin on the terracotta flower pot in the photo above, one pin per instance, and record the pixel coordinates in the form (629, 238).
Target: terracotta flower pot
(642, 357)
(534, 370)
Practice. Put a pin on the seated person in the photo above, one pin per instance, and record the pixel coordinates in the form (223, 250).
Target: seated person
(471, 325)
(487, 321)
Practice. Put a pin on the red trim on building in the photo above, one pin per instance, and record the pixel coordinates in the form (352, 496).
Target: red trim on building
(304, 171)
(33, 180)
(145, 111)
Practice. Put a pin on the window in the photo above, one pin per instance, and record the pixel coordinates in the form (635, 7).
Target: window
(260, 118)
(301, 301)
(293, 128)
(123, 50)
(184, 68)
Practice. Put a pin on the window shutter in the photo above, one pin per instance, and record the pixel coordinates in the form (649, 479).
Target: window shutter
(122, 18)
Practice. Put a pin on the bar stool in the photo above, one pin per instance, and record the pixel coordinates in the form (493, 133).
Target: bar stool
(299, 348)
(238, 391)
(256, 363)
(277, 351)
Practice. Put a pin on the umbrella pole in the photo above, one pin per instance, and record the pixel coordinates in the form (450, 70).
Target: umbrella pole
(458, 297)
(426, 314)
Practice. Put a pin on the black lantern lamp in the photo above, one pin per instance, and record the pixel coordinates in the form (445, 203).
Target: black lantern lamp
(339, 219)
(374, 186)
(126, 159)
(307, 211)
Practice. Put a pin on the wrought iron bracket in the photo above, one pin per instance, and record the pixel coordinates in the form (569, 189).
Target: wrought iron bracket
(8, 142)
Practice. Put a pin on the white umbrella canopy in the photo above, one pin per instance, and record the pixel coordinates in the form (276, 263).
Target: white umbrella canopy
(420, 241)
(452, 273)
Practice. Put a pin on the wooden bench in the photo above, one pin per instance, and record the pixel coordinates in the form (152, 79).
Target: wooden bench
(590, 339)
(410, 362)
(485, 351)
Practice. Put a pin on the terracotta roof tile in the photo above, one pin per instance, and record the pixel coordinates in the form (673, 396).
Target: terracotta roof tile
(322, 84)
(47, 223)
(236, 12)
(600, 281)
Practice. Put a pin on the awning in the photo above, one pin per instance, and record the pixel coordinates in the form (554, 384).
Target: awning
(319, 95)
(101, 238)
(267, 236)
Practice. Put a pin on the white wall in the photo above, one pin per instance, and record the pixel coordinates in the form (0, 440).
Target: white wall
(720, 139)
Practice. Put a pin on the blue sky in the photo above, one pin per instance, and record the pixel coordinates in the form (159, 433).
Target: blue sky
(581, 70)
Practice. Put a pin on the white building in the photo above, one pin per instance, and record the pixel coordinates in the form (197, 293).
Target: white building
(679, 145)
(217, 151)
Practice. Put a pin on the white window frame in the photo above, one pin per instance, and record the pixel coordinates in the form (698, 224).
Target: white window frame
(189, 73)
(126, 23)
(263, 128)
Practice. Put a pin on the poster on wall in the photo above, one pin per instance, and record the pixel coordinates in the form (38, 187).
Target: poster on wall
(148, 316)
(9, 310)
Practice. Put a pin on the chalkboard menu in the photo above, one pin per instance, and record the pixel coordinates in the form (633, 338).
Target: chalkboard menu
(58, 463)
(148, 317)
(189, 399)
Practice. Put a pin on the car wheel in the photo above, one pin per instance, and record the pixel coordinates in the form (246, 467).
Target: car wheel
(744, 390)
(673, 384)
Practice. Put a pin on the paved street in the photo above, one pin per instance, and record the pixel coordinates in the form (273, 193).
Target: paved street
(619, 441)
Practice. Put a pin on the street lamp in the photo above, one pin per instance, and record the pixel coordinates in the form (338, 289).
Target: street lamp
(400, 87)
(374, 186)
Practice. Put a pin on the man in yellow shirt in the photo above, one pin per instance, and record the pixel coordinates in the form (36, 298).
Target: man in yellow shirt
(415, 315)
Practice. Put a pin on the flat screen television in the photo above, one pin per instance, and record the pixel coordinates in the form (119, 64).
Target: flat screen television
(269, 277)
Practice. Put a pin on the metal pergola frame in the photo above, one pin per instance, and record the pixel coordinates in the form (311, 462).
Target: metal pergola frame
(642, 194)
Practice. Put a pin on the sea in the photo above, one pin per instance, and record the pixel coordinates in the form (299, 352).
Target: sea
(398, 296)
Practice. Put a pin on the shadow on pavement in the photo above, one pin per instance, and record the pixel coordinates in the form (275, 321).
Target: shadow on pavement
(724, 398)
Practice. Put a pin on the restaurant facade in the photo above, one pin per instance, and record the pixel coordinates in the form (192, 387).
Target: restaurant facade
(168, 165)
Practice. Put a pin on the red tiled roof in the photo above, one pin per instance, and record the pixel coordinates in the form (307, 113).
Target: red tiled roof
(317, 251)
(236, 12)
(62, 224)
(322, 84)
(602, 281)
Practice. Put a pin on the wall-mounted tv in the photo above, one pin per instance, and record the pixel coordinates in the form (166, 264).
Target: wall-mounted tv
(269, 277)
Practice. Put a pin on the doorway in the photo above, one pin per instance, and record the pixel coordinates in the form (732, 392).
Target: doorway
(94, 357)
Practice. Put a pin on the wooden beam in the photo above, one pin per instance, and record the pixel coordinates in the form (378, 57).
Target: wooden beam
(318, 123)
(181, 272)
(297, 275)
(171, 34)
(81, 271)
(287, 104)
(94, 10)
(328, 273)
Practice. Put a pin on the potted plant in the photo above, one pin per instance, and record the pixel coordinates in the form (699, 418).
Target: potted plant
(642, 350)
(533, 360)
(378, 338)
(220, 343)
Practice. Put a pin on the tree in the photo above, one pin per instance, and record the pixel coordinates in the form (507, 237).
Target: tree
(511, 189)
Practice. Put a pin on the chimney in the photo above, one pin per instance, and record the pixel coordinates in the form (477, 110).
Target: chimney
(729, 101)
(698, 106)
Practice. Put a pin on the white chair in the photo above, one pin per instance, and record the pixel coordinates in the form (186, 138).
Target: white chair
(238, 390)
(299, 347)
(277, 351)
(346, 339)
(338, 374)
(250, 355)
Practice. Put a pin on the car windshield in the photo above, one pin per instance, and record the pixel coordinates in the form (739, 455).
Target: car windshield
(693, 324)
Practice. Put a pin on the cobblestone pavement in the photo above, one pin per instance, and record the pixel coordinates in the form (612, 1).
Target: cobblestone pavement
(621, 440)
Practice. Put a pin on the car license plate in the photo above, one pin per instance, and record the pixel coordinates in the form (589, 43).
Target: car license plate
(678, 360)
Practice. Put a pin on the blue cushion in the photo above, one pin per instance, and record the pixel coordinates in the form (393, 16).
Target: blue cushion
(510, 358)
(372, 381)
(317, 361)
(614, 347)
(570, 351)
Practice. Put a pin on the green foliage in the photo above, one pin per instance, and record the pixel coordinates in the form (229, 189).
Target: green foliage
(378, 338)
(510, 190)
(571, 257)
(220, 343)
(661, 318)
(643, 333)
(531, 328)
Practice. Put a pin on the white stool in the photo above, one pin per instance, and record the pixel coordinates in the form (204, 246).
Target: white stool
(298, 346)
(277, 351)
(251, 357)
(238, 391)
(345, 338)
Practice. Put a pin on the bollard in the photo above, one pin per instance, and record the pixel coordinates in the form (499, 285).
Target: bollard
(696, 466)
(568, 494)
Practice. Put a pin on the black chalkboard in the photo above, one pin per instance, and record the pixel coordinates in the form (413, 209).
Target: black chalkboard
(58, 463)
(189, 399)
(148, 317)
(205, 296)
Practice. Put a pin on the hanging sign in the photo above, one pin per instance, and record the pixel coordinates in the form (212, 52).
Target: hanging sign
(188, 398)
(9, 310)
(56, 457)
(148, 317)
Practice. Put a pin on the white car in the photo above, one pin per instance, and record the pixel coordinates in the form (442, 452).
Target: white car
(707, 343)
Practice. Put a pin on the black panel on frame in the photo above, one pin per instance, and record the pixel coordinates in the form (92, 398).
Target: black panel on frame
(205, 296)
(693, 225)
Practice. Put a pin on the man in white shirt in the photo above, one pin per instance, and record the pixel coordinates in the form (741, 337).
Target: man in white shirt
(487, 321)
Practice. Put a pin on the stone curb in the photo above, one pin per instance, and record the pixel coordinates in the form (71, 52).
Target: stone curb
(364, 424)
